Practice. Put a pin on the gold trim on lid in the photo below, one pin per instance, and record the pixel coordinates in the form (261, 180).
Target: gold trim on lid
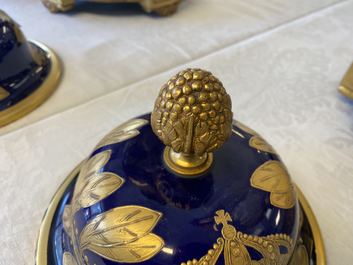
(192, 116)
(346, 86)
(42, 93)
(44, 232)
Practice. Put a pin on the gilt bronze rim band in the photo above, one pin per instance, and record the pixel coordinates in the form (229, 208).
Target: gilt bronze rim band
(43, 237)
(44, 232)
(315, 229)
(42, 93)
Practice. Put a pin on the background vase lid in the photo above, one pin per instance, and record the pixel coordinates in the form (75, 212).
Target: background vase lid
(29, 72)
(160, 7)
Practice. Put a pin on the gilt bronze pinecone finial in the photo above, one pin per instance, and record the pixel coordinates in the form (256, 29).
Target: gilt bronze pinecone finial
(192, 113)
(193, 117)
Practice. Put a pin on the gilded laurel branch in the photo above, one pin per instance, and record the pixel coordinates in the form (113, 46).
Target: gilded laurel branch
(92, 185)
(192, 113)
(123, 234)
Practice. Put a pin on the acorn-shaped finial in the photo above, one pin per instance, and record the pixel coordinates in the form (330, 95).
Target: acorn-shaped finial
(192, 113)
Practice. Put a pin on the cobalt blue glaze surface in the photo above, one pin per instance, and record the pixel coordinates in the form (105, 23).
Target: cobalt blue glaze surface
(188, 205)
(20, 73)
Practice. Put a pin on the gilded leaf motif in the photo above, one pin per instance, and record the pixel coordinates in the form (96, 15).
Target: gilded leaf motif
(272, 177)
(90, 167)
(68, 259)
(284, 200)
(123, 234)
(118, 226)
(300, 256)
(244, 128)
(67, 219)
(3, 93)
(123, 132)
(259, 143)
(99, 187)
(140, 250)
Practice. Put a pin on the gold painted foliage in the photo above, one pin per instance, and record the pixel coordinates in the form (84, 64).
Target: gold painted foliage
(67, 219)
(3, 93)
(123, 132)
(259, 143)
(300, 256)
(68, 259)
(273, 177)
(256, 141)
(93, 185)
(100, 186)
(244, 127)
(123, 234)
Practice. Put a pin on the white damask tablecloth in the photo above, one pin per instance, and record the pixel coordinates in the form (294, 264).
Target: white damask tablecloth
(281, 61)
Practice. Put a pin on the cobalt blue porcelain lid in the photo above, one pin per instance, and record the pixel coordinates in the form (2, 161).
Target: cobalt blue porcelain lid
(233, 204)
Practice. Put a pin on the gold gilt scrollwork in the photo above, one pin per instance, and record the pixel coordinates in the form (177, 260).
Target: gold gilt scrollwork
(273, 177)
(235, 244)
(123, 234)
